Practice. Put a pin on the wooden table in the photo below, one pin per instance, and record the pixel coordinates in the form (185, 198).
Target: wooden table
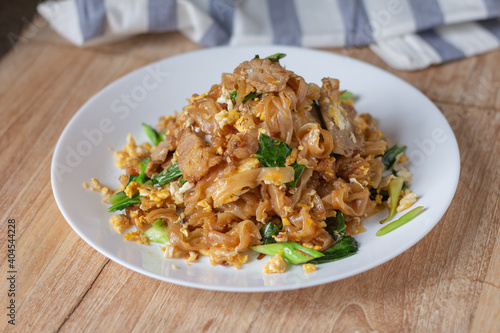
(448, 282)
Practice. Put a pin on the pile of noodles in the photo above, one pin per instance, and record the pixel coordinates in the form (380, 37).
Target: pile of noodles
(218, 212)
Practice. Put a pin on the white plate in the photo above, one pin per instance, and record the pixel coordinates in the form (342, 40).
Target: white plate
(405, 116)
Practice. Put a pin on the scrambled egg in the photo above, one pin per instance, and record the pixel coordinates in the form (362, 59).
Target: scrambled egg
(408, 199)
(96, 186)
(224, 256)
(378, 199)
(130, 152)
(292, 157)
(196, 97)
(120, 222)
(227, 117)
(404, 173)
(192, 256)
(248, 164)
(402, 158)
(309, 268)
(243, 125)
(175, 157)
(225, 98)
(276, 175)
(171, 252)
(205, 205)
(185, 187)
(137, 236)
(151, 192)
(312, 247)
(275, 265)
(177, 191)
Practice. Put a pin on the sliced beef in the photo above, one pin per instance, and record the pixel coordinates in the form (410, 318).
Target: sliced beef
(352, 167)
(340, 119)
(327, 168)
(195, 158)
(243, 145)
(263, 74)
(159, 154)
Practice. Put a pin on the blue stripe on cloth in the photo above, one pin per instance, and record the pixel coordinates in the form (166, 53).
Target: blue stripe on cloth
(493, 7)
(492, 25)
(427, 14)
(219, 33)
(214, 36)
(356, 23)
(446, 50)
(222, 11)
(162, 15)
(92, 17)
(285, 22)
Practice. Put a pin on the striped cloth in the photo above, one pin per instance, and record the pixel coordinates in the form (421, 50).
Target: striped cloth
(407, 34)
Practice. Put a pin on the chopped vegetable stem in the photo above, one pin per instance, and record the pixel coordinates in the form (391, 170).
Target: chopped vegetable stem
(158, 232)
(167, 175)
(276, 57)
(142, 176)
(399, 222)
(347, 95)
(117, 197)
(152, 134)
(250, 96)
(120, 205)
(293, 252)
(395, 186)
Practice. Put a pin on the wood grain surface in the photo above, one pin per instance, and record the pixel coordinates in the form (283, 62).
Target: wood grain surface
(448, 282)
